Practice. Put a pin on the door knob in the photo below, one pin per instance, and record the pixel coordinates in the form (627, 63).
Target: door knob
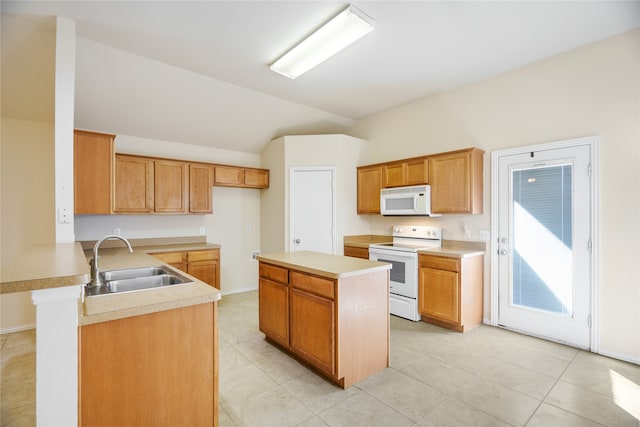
(297, 241)
(502, 251)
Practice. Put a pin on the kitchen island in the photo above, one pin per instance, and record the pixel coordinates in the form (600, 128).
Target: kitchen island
(330, 312)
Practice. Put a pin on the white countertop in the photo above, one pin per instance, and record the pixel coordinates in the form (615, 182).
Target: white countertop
(323, 264)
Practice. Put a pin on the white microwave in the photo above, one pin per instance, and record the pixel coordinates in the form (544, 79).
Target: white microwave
(415, 200)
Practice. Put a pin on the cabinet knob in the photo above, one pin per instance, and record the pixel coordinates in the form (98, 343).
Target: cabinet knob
(297, 241)
(502, 251)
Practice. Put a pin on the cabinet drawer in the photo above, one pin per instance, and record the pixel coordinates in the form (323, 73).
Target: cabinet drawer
(315, 285)
(440, 263)
(356, 252)
(205, 255)
(170, 257)
(277, 274)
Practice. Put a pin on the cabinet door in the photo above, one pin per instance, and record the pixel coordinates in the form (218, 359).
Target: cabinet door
(133, 192)
(417, 172)
(166, 359)
(174, 259)
(200, 177)
(313, 330)
(456, 182)
(92, 165)
(257, 178)
(204, 270)
(171, 182)
(438, 294)
(274, 311)
(229, 175)
(369, 185)
(356, 252)
(394, 174)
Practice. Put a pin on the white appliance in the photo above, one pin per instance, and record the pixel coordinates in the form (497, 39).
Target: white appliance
(415, 200)
(402, 254)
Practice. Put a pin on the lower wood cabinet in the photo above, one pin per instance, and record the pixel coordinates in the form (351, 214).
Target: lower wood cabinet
(313, 318)
(356, 251)
(273, 297)
(158, 369)
(450, 291)
(340, 327)
(201, 264)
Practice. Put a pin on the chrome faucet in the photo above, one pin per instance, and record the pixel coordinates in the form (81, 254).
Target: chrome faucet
(95, 271)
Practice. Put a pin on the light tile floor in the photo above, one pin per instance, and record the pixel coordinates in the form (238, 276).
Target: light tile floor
(485, 377)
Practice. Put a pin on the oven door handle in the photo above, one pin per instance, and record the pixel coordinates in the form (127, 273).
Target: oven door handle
(399, 255)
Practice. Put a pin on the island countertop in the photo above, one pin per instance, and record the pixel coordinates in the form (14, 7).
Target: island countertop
(323, 264)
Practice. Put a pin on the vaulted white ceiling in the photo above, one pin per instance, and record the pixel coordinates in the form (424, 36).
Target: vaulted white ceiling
(197, 72)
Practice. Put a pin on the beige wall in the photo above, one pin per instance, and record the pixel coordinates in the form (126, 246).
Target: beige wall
(340, 151)
(27, 197)
(594, 90)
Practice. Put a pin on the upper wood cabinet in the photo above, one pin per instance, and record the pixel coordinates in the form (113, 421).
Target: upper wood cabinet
(455, 178)
(147, 185)
(200, 182)
(256, 178)
(417, 171)
(171, 186)
(92, 165)
(369, 185)
(107, 183)
(133, 185)
(235, 176)
(409, 172)
(456, 181)
(228, 175)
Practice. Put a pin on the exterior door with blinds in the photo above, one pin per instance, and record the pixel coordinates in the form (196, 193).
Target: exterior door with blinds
(544, 243)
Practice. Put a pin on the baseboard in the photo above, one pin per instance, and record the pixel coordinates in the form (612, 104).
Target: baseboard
(619, 356)
(17, 328)
(238, 291)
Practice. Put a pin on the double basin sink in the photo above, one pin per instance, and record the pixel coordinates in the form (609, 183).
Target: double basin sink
(135, 279)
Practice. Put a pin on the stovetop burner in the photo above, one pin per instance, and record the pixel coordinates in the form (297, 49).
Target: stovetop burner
(412, 238)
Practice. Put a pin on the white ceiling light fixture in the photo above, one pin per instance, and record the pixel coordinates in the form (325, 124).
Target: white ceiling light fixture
(345, 28)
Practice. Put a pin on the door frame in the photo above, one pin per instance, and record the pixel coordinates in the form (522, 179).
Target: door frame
(593, 142)
(292, 171)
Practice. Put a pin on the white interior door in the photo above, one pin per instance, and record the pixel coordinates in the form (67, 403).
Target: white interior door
(544, 243)
(312, 210)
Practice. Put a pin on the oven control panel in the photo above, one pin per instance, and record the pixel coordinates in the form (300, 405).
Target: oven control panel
(418, 231)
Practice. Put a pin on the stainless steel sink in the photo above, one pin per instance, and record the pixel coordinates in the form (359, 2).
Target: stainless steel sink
(135, 279)
(134, 273)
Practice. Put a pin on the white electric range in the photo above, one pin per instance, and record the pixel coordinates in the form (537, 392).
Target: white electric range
(402, 254)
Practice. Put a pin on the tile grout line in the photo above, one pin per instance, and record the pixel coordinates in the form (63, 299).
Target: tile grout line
(551, 389)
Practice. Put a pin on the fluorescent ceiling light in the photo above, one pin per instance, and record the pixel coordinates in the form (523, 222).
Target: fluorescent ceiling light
(347, 27)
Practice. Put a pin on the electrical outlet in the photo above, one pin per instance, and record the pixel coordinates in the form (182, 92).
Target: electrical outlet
(254, 254)
(116, 231)
(63, 216)
(485, 235)
(203, 231)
